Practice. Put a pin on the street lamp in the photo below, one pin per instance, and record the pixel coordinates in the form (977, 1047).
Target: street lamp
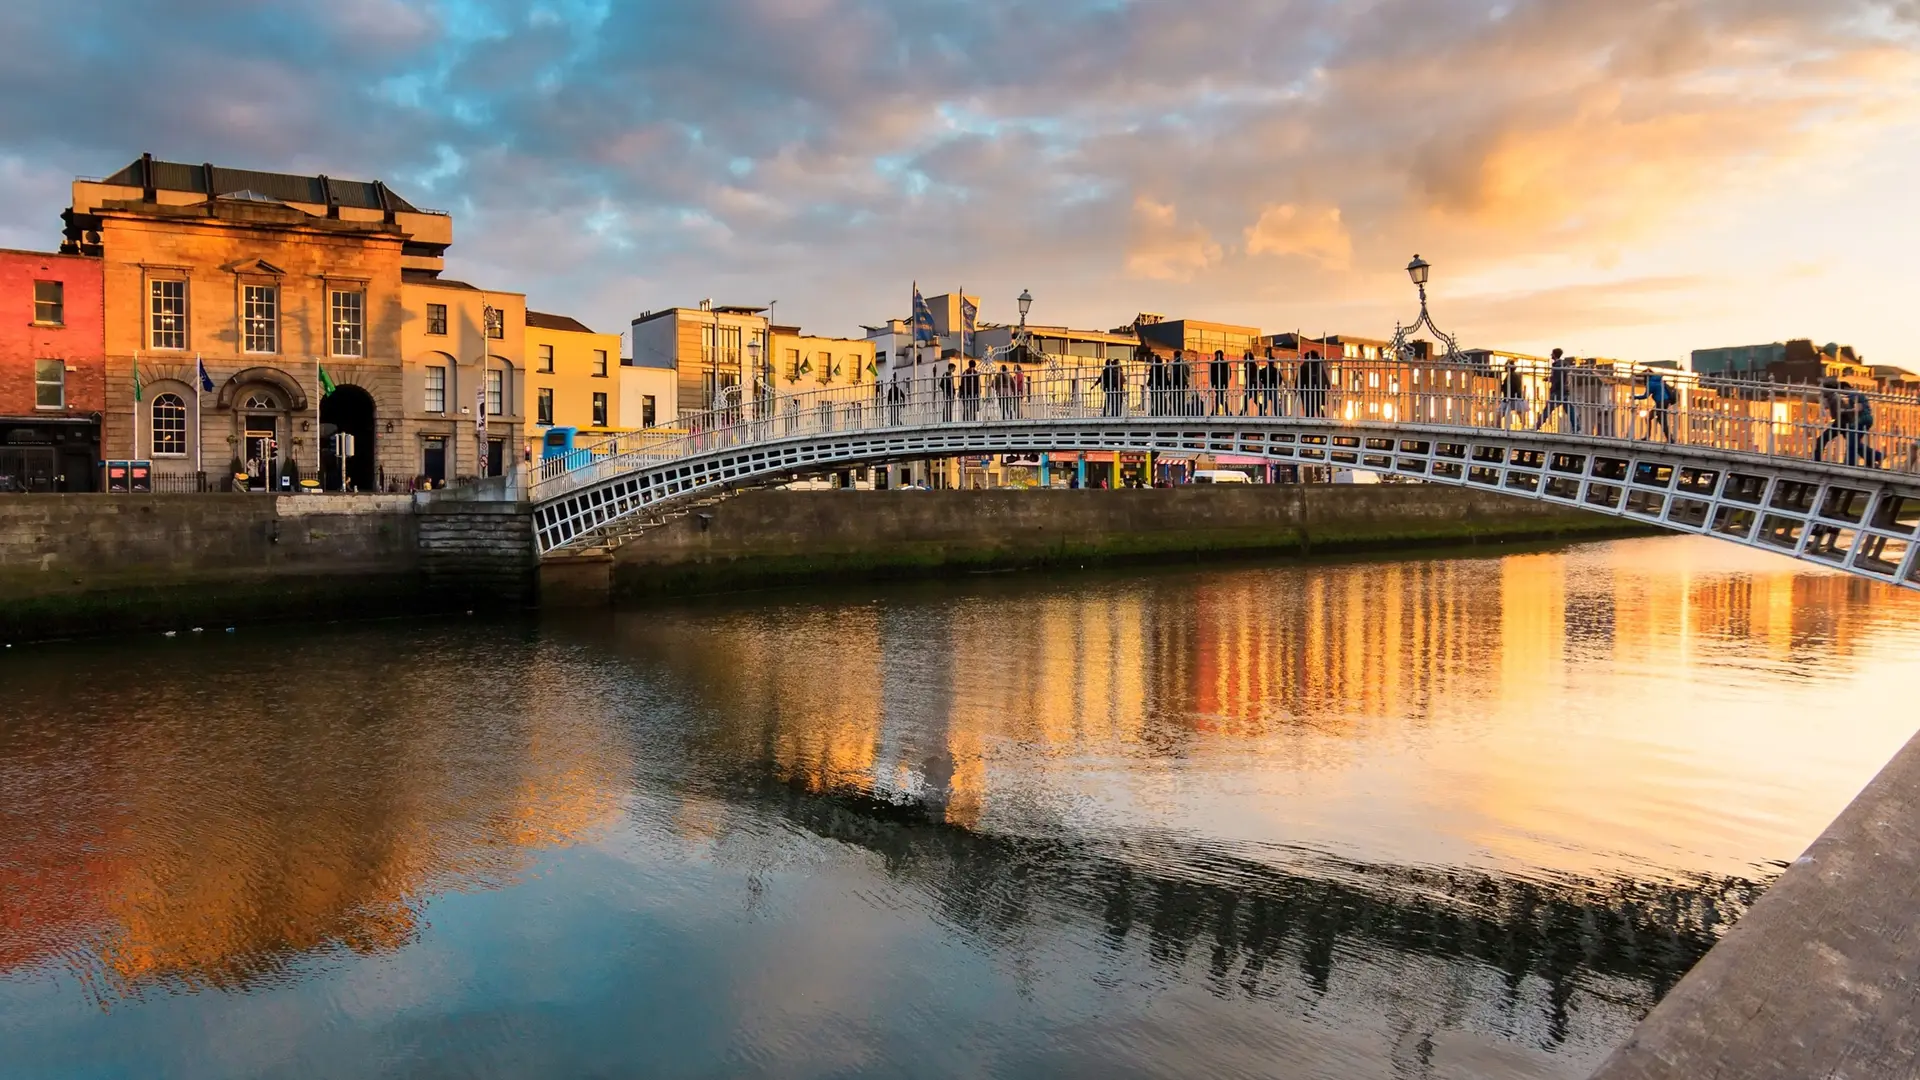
(1419, 270)
(1026, 305)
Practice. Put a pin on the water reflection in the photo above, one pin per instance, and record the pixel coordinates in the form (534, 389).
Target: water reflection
(1432, 814)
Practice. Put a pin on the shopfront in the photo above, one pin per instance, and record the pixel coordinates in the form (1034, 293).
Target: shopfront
(41, 454)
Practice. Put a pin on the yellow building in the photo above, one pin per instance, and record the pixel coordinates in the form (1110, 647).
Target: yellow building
(255, 282)
(804, 362)
(573, 378)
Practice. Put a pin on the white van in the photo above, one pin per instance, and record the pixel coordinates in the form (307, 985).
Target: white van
(1355, 476)
(1220, 476)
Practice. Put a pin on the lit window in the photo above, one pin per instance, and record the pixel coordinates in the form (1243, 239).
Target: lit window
(50, 303)
(437, 320)
(349, 322)
(169, 426)
(169, 314)
(648, 411)
(600, 410)
(262, 304)
(436, 390)
(546, 358)
(261, 401)
(49, 384)
(496, 322)
(544, 406)
(496, 391)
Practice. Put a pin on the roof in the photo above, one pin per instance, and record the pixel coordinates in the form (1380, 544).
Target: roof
(540, 320)
(412, 276)
(215, 180)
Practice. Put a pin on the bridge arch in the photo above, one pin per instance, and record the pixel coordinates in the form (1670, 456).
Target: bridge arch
(1864, 521)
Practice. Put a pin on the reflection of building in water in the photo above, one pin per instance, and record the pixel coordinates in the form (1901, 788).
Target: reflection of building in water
(225, 831)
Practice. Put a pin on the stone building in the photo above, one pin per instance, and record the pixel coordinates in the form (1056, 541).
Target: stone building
(251, 316)
(52, 373)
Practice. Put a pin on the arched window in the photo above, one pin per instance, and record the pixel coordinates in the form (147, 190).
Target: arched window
(260, 400)
(169, 426)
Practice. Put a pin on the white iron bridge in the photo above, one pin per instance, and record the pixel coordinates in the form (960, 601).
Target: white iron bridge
(1829, 476)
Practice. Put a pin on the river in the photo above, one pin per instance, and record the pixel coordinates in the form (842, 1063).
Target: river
(1432, 816)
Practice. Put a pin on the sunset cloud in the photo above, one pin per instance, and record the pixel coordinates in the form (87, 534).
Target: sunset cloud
(1264, 161)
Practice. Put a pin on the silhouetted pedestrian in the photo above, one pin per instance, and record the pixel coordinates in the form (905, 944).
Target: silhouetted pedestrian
(1559, 393)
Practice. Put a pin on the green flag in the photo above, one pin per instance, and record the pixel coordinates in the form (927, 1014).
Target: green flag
(136, 380)
(326, 383)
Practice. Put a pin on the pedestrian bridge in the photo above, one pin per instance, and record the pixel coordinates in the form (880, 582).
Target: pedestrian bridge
(1832, 480)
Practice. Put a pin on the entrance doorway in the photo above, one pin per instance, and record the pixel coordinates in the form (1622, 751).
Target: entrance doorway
(496, 457)
(262, 449)
(433, 460)
(349, 410)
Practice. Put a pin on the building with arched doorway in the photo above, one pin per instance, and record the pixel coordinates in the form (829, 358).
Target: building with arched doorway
(263, 325)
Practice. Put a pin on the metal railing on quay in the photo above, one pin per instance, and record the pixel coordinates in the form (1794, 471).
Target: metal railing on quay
(1782, 421)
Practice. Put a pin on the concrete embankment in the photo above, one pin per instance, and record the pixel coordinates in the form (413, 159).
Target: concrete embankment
(73, 565)
(772, 538)
(1822, 976)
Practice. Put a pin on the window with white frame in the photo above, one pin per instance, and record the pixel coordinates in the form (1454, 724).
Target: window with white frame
(546, 358)
(436, 401)
(50, 303)
(496, 391)
(600, 363)
(349, 322)
(496, 322)
(543, 406)
(49, 384)
(169, 426)
(437, 319)
(167, 307)
(262, 317)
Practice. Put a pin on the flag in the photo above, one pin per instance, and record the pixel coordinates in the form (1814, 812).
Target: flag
(922, 318)
(969, 312)
(206, 380)
(326, 381)
(873, 367)
(136, 381)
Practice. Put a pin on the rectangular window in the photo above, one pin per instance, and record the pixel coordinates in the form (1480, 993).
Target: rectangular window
(169, 429)
(825, 367)
(168, 308)
(349, 322)
(546, 359)
(437, 319)
(496, 322)
(648, 411)
(49, 384)
(436, 390)
(262, 303)
(600, 410)
(496, 391)
(793, 365)
(544, 406)
(600, 363)
(50, 303)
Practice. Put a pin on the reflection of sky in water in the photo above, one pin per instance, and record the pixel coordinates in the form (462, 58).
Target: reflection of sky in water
(1425, 817)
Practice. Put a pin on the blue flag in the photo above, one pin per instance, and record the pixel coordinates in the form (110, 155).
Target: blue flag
(969, 312)
(922, 318)
(206, 380)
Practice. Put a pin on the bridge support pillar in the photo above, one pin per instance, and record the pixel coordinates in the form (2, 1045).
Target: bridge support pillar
(583, 580)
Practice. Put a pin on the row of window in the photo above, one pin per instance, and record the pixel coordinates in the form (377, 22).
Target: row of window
(260, 312)
(543, 361)
(822, 366)
(543, 408)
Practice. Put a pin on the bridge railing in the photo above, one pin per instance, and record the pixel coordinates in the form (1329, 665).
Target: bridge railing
(1610, 402)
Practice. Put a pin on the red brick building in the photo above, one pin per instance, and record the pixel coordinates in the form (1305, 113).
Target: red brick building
(52, 371)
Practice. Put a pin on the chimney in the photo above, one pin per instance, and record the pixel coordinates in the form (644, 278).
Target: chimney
(148, 192)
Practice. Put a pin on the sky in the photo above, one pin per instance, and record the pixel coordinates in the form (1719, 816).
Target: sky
(1625, 178)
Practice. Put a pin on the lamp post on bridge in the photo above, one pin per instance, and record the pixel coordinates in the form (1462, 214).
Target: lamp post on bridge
(1402, 346)
(1023, 352)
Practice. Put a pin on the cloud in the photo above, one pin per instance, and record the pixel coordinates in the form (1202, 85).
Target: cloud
(1315, 234)
(824, 151)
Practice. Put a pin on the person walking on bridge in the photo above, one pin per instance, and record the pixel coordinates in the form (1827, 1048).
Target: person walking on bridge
(1156, 384)
(1182, 384)
(946, 395)
(1001, 386)
(1113, 386)
(970, 392)
(1659, 398)
(1219, 376)
(1559, 395)
(1313, 386)
(1831, 400)
(1859, 419)
(1513, 396)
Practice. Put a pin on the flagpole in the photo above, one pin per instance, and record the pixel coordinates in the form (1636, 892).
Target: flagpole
(136, 405)
(199, 381)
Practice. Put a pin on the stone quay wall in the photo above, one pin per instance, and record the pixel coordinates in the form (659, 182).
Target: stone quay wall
(770, 538)
(74, 565)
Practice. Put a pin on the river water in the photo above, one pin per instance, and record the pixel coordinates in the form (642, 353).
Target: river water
(1434, 816)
